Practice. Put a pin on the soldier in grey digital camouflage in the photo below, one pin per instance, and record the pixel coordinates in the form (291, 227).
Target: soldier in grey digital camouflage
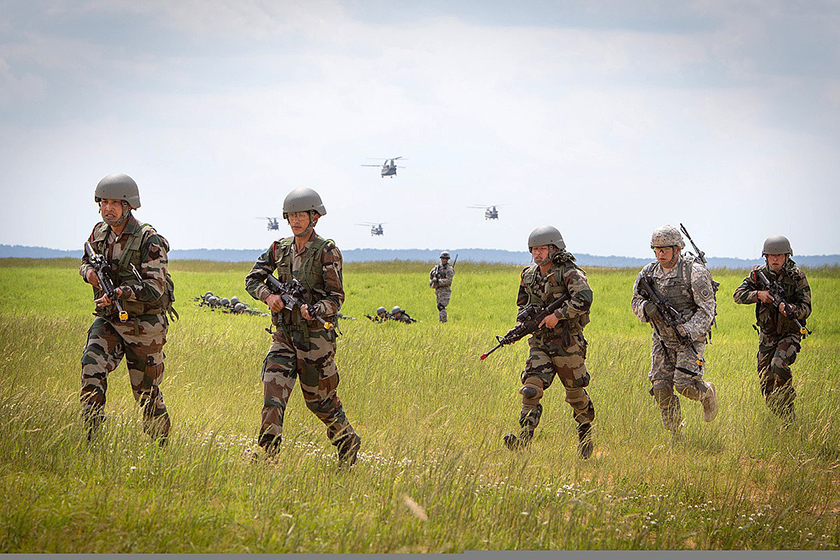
(400, 315)
(440, 279)
(779, 335)
(301, 346)
(686, 288)
(136, 256)
(558, 349)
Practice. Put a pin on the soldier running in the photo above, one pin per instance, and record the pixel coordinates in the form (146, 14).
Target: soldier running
(440, 279)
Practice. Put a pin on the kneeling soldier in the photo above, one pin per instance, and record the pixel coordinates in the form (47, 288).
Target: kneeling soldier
(302, 346)
(558, 349)
(781, 321)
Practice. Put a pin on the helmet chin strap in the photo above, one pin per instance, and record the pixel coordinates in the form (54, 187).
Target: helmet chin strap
(674, 256)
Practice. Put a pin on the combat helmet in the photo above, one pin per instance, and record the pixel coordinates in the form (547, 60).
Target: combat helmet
(303, 199)
(118, 186)
(546, 235)
(234, 300)
(776, 245)
(239, 307)
(396, 310)
(444, 255)
(666, 236)
(380, 310)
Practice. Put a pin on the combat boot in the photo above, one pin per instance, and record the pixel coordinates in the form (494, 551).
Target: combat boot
(710, 405)
(348, 449)
(271, 444)
(94, 418)
(585, 443)
(515, 443)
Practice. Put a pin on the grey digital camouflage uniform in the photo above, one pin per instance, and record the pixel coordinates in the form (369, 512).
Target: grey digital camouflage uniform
(688, 288)
(141, 339)
(301, 348)
(779, 338)
(440, 278)
(559, 352)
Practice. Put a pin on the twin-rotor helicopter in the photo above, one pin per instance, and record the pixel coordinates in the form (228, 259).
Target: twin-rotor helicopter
(375, 229)
(389, 168)
(490, 212)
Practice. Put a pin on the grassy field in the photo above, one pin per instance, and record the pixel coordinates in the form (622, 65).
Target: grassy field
(433, 475)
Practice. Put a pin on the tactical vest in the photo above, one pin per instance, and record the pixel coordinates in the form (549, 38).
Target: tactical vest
(768, 317)
(310, 274)
(125, 275)
(676, 288)
(555, 289)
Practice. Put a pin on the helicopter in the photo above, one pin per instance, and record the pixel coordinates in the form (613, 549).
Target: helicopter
(490, 212)
(272, 224)
(389, 168)
(375, 229)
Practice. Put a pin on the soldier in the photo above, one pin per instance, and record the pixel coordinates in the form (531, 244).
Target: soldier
(677, 353)
(779, 335)
(558, 349)
(137, 255)
(440, 279)
(381, 315)
(301, 346)
(401, 315)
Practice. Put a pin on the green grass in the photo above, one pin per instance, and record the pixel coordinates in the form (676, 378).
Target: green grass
(431, 416)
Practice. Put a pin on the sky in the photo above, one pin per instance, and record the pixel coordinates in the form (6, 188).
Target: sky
(605, 119)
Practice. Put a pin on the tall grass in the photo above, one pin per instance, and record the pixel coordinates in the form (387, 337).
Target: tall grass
(432, 474)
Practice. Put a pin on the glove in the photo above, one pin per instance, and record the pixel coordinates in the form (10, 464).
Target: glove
(682, 331)
(651, 311)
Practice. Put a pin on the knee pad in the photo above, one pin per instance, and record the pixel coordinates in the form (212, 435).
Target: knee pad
(531, 393)
(441, 307)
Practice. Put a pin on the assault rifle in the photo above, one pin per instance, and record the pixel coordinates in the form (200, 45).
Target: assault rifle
(103, 274)
(670, 315)
(777, 292)
(527, 321)
(340, 316)
(292, 295)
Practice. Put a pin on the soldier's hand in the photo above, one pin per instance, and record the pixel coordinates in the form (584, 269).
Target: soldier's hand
(92, 278)
(105, 301)
(764, 296)
(651, 311)
(275, 303)
(782, 309)
(304, 310)
(550, 321)
(682, 331)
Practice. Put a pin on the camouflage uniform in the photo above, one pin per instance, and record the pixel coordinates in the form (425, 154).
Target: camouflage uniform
(142, 337)
(687, 286)
(558, 352)
(403, 318)
(779, 337)
(440, 278)
(302, 348)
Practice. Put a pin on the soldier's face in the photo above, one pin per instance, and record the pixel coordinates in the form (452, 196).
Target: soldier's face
(776, 262)
(110, 210)
(540, 254)
(665, 255)
(299, 221)
(444, 261)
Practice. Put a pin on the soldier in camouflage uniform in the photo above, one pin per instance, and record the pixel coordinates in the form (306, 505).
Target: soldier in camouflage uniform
(687, 286)
(138, 257)
(401, 315)
(558, 349)
(440, 279)
(779, 336)
(301, 346)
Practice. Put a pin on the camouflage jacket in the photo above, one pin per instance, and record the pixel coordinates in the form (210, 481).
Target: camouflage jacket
(797, 293)
(441, 276)
(688, 287)
(563, 278)
(139, 297)
(318, 267)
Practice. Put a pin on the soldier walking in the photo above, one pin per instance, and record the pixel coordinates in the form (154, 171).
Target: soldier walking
(779, 335)
(558, 349)
(685, 286)
(301, 346)
(440, 279)
(136, 255)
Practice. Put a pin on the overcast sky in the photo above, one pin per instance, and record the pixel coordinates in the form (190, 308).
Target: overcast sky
(604, 119)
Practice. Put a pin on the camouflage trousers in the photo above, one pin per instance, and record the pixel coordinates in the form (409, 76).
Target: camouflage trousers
(141, 341)
(775, 355)
(442, 295)
(293, 354)
(673, 365)
(548, 360)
